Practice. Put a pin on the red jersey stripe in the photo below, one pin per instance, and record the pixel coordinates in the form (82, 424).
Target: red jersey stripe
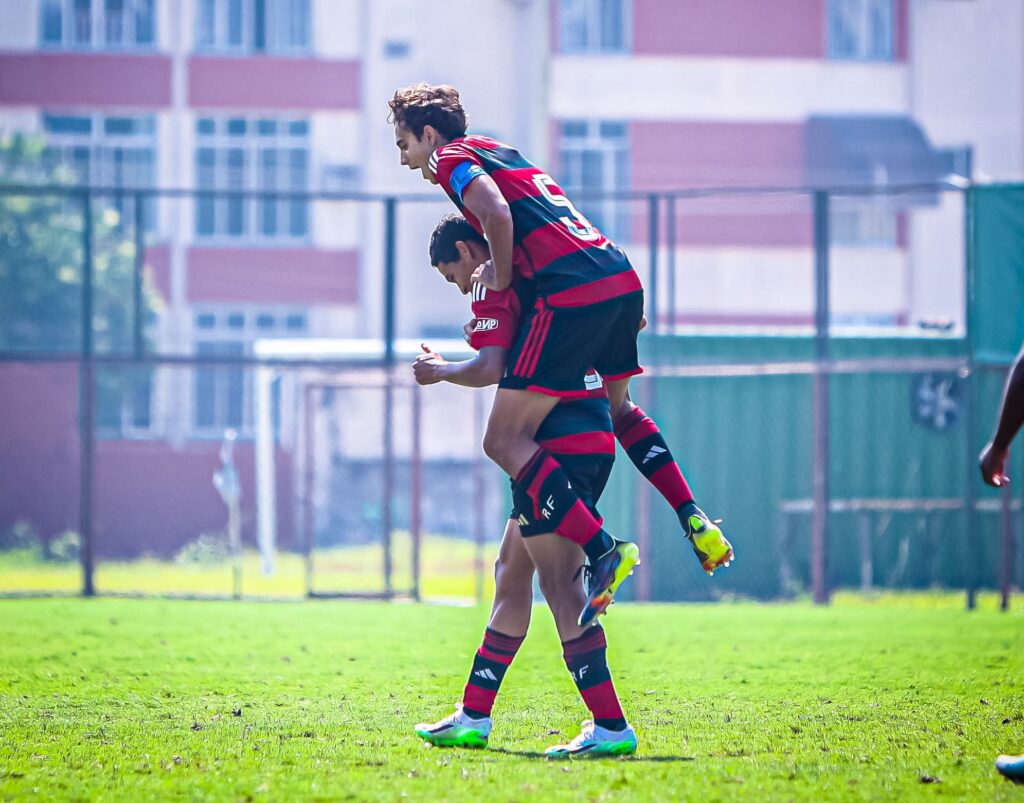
(581, 443)
(597, 291)
(545, 327)
(554, 242)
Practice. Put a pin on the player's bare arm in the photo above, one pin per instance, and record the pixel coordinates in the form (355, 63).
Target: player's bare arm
(483, 198)
(992, 460)
(485, 369)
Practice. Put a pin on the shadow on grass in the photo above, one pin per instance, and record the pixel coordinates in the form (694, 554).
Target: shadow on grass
(533, 754)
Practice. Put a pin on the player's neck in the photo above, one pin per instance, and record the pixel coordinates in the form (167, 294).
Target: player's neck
(441, 142)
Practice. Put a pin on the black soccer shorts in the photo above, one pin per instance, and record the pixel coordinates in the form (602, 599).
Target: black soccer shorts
(588, 474)
(556, 346)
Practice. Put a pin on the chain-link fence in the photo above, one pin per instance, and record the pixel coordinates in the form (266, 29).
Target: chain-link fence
(809, 353)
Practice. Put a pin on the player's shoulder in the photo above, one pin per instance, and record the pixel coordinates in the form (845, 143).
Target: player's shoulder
(484, 298)
(447, 157)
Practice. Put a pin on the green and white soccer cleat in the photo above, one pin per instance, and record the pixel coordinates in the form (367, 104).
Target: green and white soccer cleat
(709, 543)
(456, 730)
(596, 742)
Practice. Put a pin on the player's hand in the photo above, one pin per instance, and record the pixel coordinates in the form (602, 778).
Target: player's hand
(487, 275)
(643, 323)
(427, 367)
(992, 462)
(467, 331)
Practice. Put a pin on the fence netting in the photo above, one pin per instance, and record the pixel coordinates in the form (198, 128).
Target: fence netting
(240, 418)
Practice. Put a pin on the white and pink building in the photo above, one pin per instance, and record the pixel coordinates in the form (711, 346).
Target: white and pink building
(612, 95)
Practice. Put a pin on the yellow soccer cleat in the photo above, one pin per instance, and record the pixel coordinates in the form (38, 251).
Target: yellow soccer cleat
(709, 543)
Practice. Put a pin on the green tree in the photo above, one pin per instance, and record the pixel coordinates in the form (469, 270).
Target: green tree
(41, 256)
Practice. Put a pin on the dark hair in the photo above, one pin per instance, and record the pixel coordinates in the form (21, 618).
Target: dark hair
(422, 104)
(450, 230)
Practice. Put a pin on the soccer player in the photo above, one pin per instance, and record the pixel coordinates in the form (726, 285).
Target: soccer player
(992, 462)
(579, 432)
(587, 314)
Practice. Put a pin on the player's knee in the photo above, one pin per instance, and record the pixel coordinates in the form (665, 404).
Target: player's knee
(559, 591)
(625, 407)
(495, 443)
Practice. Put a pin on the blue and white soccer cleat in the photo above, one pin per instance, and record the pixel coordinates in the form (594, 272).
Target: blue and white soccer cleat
(456, 730)
(603, 578)
(1011, 767)
(596, 742)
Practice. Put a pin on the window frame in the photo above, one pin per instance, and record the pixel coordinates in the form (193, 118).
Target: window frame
(97, 27)
(99, 146)
(221, 334)
(864, 50)
(856, 222)
(591, 10)
(254, 145)
(277, 17)
(615, 154)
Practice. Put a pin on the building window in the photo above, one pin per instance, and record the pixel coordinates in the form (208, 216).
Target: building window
(110, 151)
(593, 163)
(861, 29)
(98, 24)
(266, 154)
(253, 26)
(124, 401)
(863, 223)
(222, 394)
(596, 26)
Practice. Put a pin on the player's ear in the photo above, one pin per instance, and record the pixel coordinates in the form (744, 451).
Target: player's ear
(429, 136)
(463, 248)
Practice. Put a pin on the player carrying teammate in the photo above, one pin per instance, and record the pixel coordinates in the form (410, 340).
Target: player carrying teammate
(579, 432)
(587, 314)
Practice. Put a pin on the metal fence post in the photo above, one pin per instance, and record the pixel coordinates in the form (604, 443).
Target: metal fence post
(308, 523)
(670, 266)
(970, 408)
(1007, 547)
(138, 321)
(416, 490)
(87, 399)
(653, 236)
(479, 489)
(819, 521)
(389, 391)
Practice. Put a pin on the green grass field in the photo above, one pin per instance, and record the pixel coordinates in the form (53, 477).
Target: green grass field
(898, 699)
(447, 572)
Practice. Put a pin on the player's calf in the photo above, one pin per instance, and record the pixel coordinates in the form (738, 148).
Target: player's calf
(608, 734)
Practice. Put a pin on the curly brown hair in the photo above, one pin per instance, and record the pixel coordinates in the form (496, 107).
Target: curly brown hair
(421, 105)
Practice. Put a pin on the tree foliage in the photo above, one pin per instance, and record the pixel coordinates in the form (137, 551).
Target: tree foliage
(41, 271)
(41, 262)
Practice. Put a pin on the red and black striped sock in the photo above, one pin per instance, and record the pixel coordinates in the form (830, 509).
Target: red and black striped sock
(543, 484)
(642, 440)
(588, 665)
(489, 666)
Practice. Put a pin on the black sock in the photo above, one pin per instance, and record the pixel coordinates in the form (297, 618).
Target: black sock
(586, 659)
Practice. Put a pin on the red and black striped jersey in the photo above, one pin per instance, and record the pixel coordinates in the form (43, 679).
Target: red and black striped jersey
(571, 262)
(578, 425)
